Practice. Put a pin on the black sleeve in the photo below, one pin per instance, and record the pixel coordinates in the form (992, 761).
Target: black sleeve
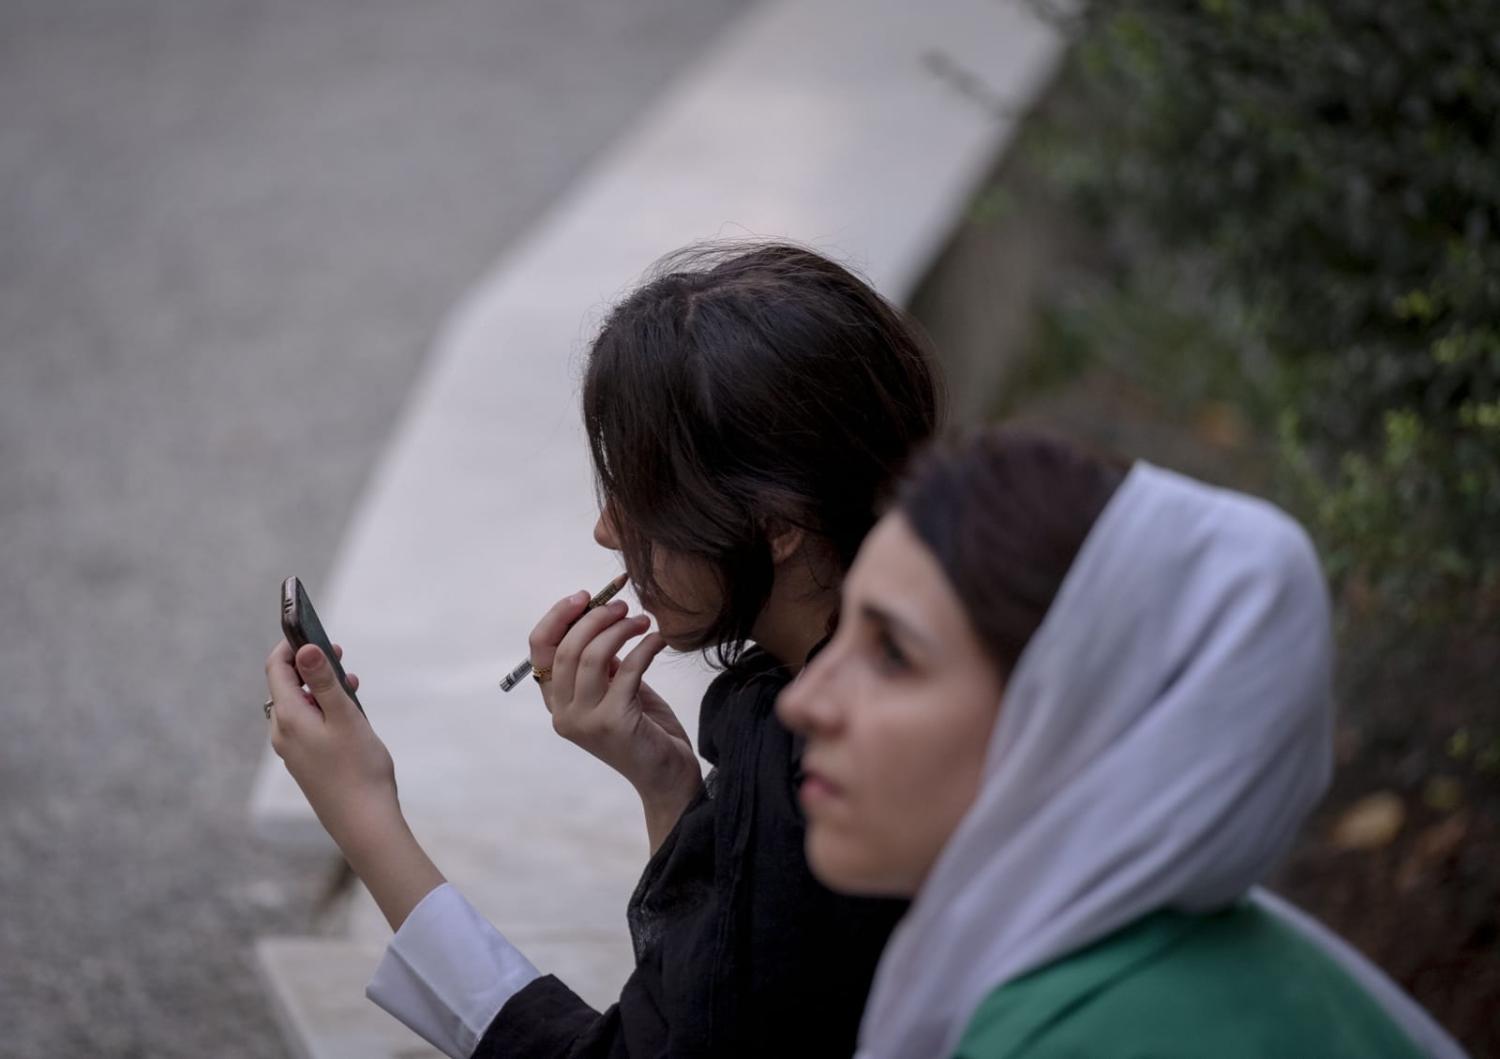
(547, 1020)
(543, 1020)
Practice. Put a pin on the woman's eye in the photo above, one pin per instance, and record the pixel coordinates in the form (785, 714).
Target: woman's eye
(891, 655)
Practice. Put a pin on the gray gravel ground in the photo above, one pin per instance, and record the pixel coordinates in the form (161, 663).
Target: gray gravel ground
(228, 231)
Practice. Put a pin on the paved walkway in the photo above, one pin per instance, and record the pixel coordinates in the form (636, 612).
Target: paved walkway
(228, 232)
(860, 126)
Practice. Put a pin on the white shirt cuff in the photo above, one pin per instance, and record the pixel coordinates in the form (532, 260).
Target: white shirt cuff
(447, 973)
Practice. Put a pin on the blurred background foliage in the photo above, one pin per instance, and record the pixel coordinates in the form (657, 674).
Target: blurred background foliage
(1302, 208)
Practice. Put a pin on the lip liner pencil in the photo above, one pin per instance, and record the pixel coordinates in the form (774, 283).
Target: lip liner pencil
(603, 596)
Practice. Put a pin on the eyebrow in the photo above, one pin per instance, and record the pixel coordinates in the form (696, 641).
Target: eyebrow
(871, 612)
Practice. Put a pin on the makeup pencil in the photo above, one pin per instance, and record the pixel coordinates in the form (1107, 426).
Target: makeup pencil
(603, 596)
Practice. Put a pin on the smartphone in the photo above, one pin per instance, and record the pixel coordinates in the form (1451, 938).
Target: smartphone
(300, 625)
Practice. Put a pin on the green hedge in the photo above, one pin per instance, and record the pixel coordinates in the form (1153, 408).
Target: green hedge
(1319, 184)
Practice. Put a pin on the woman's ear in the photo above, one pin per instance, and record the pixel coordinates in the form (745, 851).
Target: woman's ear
(786, 541)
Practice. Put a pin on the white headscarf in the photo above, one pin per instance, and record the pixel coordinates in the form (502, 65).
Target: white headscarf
(1162, 738)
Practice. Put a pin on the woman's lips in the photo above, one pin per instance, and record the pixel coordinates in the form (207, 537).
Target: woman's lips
(817, 790)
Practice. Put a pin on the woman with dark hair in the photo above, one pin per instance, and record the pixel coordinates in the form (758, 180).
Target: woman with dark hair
(744, 411)
(1077, 712)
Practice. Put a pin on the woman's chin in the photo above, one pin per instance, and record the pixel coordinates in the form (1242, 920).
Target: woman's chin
(680, 639)
(676, 641)
(845, 871)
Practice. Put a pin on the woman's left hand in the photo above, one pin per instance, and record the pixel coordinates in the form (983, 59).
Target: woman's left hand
(343, 768)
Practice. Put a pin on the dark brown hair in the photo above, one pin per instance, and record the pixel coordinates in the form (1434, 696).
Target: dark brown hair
(743, 390)
(1005, 512)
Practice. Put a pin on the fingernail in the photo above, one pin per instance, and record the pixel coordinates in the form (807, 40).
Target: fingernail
(315, 662)
(579, 596)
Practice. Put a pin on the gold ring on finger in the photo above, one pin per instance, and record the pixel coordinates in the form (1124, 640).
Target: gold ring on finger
(541, 673)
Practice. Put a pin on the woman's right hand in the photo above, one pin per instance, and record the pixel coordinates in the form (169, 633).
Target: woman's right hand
(600, 702)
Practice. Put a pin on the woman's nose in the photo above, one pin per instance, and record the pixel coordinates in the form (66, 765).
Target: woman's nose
(804, 704)
(604, 532)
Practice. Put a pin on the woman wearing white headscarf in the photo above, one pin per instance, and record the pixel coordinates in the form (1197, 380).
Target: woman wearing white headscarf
(1079, 713)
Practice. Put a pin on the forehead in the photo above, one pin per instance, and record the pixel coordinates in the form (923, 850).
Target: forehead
(896, 573)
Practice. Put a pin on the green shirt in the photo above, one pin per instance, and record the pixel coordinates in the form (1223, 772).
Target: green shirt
(1234, 985)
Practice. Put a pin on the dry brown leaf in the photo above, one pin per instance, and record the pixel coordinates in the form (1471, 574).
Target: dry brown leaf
(1370, 823)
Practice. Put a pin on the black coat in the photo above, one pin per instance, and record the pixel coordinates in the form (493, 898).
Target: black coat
(739, 950)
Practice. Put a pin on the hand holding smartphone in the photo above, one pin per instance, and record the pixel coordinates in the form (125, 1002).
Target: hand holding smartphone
(300, 625)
